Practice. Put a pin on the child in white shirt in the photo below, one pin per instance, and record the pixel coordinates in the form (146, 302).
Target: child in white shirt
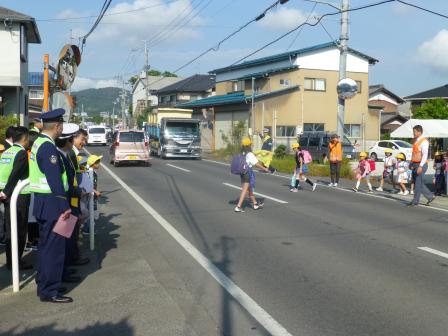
(402, 177)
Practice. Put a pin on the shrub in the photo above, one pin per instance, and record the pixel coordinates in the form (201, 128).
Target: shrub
(5, 122)
(280, 151)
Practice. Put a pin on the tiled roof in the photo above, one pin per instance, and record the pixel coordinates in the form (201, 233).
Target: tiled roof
(233, 98)
(195, 83)
(7, 14)
(381, 88)
(438, 92)
(288, 55)
(35, 79)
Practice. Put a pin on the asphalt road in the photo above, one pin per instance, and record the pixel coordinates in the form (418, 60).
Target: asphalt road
(324, 263)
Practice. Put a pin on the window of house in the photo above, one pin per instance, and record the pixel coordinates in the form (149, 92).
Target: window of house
(313, 127)
(238, 86)
(352, 130)
(359, 84)
(315, 84)
(36, 94)
(23, 44)
(284, 82)
(286, 131)
(173, 98)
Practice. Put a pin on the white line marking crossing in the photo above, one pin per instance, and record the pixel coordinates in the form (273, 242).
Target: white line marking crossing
(183, 169)
(437, 252)
(257, 312)
(255, 193)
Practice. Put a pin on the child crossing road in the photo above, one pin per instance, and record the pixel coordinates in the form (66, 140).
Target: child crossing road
(301, 169)
(402, 170)
(363, 172)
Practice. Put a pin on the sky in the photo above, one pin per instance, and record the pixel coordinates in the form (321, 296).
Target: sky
(411, 45)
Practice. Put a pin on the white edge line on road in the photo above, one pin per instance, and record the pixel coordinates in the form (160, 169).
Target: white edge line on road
(257, 312)
(185, 170)
(347, 190)
(258, 194)
(437, 252)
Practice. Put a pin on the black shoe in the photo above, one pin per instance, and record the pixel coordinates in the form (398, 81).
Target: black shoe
(57, 299)
(81, 261)
(72, 279)
(411, 205)
(430, 201)
(71, 271)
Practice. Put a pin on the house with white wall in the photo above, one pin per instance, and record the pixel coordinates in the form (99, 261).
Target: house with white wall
(17, 31)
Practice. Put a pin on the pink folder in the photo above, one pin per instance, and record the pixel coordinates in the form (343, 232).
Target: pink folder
(64, 227)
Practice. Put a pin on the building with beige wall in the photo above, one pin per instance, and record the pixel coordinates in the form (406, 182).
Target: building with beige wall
(291, 91)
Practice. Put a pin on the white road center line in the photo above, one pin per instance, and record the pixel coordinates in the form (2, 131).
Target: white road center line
(183, 169)
(437, 252)
(217, 162)
(257, 312)
(255, 193)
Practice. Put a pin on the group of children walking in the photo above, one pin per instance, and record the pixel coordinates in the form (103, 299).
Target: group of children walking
(398, 171)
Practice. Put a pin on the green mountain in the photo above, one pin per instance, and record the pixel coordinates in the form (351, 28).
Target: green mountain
(98, 100)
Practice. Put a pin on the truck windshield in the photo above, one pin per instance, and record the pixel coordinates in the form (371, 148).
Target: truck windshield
(182, 128)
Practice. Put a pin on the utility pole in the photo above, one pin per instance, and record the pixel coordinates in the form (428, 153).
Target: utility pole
(146, 75)
(251, 116)
(123, 108)
(343, 64)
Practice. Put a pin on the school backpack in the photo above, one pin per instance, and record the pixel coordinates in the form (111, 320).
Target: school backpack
(372, 164)
(239, 164)
(307, 158)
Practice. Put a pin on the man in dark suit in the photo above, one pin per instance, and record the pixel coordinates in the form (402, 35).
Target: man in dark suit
(14, 168)
(9, 137)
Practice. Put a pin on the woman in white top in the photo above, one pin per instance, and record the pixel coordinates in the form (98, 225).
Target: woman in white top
(248, 178)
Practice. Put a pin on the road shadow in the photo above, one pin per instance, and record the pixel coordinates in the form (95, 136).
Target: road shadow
(121, 328)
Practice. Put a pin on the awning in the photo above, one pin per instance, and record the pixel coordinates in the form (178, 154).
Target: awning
(432, 128)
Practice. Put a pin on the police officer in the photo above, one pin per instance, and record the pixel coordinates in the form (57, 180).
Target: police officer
(49, 183)
(14, 168)
(37, 127)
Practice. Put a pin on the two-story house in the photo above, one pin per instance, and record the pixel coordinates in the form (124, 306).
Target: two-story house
(149, 85)
(291, 89)
(17, 30)
(189, 89)
(35, 94)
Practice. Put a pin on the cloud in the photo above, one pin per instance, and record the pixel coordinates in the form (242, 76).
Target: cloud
(434, 52)
(283, 19)
(145, 20)
(82, 83)
(402, 9)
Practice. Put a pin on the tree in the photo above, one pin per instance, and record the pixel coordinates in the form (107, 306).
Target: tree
(5, 122)
(432, 109)
(97, 119)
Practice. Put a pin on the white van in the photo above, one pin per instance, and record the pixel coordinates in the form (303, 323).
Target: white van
(97, 135)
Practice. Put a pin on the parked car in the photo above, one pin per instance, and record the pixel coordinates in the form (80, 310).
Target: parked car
(97, 135)
(317, 144)
(398, 146)
(129, 146)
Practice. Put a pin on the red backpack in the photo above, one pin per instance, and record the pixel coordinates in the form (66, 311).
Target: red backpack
(372, 164)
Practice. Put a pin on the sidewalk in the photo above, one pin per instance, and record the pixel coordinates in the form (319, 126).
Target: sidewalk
(119, 294)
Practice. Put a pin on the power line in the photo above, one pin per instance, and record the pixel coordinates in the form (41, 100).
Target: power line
(180, 26)
(110, 14)
(218, 45)
(311, 25)
(423, 9)
(100, 16)
(300, 30)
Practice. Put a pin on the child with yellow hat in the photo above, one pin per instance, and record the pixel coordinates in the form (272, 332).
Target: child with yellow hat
(439, 173)
(93, 162)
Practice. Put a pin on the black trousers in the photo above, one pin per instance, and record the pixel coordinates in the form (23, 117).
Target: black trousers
(23, 202)
(335, 171)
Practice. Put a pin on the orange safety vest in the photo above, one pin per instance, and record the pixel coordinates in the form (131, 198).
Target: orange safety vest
(417, 151)
(335, 152)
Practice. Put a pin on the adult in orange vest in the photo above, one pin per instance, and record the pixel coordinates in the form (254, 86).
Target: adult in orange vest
(335, 158)
(419, 162)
